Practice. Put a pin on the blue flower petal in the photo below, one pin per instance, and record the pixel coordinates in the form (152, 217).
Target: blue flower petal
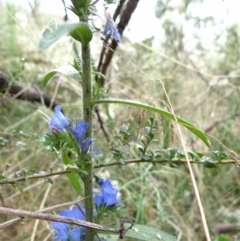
(62, 230)
(58, 121)
(79, 212)
(78, 234)
(110, 29)
(85, 145)
(80, 130)
(99, 200)
(108, 195)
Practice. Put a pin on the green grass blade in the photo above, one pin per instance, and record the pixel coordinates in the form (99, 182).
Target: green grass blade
(165, 113)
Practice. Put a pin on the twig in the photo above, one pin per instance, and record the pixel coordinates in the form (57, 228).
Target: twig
(54, 218)
(105, 58)
(96, 110)
(118, 9)
(227, 227)
(15, 220)
(116, 163)
(34, 176)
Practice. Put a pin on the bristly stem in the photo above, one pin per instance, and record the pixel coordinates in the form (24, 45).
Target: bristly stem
(87, 116)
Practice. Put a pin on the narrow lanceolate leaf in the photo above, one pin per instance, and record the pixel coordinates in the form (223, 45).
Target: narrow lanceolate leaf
(162, 112)
(69, 71)
(73, 177)
(55, 31)
(143, 232)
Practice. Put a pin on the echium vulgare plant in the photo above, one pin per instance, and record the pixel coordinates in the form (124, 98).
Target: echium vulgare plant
(74, 141)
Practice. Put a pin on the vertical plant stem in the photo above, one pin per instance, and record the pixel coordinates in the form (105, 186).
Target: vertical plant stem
(87, 116)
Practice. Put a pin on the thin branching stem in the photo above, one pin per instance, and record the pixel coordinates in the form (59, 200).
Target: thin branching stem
(115, 163)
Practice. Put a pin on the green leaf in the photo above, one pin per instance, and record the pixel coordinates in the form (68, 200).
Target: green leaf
(194, 155)
(166, 153)
(208, 162)
(220, 155)
(143, 232)
(147, 129)
(173, 153)
(55, 31)
(82, 33)
(180, 154)
(74, 178)
(162, 112)
(147, 157)
(223, 238)
(50, 180)
(2, 177)
(69, 71)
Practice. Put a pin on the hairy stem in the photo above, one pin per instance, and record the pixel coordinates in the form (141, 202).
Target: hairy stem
(87, 116)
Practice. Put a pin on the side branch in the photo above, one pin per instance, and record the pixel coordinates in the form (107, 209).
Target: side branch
(107, 53)
(117, 163)
(54, 218)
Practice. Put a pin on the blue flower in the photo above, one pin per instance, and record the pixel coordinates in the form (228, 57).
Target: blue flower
(79, 133)
(108, 195)
(61, 230)
(110, 28)
(58, 121)
(64, 232)
(85, 145)
(78, 234)
(80, 130)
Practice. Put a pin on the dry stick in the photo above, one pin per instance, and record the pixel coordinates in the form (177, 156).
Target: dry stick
(54, 218)
(15, 220)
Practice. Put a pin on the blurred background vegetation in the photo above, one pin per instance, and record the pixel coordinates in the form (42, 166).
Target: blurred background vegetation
(197, 60)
